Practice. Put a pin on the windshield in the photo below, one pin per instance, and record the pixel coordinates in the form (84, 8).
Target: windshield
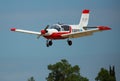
(55, 27)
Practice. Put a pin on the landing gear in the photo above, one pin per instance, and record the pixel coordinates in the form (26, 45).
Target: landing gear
(69, 42)
(49, 43)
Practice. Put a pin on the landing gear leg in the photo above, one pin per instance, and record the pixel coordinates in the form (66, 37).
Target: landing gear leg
(69, 42)
(49, 43)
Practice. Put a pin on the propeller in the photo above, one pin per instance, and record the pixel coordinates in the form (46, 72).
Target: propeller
(43, 31)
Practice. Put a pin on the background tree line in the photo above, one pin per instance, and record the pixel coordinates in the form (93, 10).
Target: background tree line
(64, 71)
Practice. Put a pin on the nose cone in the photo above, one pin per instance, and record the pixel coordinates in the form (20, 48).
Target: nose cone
(43, 31)
(104, 28)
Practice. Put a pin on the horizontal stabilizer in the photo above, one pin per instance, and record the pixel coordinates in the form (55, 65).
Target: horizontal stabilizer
(99, 27)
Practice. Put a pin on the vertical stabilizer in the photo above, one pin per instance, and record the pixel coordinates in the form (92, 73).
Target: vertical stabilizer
(84, 18)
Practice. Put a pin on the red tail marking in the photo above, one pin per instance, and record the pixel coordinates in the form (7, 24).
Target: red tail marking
(85, 11)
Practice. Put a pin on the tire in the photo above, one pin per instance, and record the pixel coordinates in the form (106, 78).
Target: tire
(50, 43)
(69, 42)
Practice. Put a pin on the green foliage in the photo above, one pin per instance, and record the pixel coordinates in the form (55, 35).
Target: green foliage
(63, 71)
(104, 75)
(31, 79)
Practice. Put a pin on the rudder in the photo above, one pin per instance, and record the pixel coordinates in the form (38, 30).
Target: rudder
(84, 18)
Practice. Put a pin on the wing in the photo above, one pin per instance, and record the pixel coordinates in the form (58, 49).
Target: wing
(25, 31)
(86, 32)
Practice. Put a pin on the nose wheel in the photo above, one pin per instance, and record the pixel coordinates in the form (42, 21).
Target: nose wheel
(49, 43)
(69, 42)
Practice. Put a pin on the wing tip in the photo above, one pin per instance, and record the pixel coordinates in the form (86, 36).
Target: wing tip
(13, 29)
(85, 11)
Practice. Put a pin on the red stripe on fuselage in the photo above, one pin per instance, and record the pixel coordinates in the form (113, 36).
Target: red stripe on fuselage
(57, 35)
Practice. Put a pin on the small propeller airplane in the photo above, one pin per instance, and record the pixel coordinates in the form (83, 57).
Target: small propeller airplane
(64, 31)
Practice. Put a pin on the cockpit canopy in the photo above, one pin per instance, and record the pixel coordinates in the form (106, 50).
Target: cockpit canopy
(61, 27)
(57, 27)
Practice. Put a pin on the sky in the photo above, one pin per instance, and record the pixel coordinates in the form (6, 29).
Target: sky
(23, 56)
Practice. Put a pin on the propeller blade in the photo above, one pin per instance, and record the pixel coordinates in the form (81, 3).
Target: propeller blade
(44, 31)
(46, 27)
(38, 36)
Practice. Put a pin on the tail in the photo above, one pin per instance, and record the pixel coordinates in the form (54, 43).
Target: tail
(84, 19)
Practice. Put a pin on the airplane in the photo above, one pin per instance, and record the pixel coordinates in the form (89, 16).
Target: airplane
(65, 31)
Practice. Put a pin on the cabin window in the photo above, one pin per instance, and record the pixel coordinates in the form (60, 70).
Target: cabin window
(65, 27)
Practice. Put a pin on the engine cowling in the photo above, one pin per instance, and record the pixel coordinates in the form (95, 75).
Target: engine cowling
(43, 32)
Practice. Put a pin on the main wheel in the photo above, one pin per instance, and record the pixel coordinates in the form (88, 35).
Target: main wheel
(69, 42)
(50, 43)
